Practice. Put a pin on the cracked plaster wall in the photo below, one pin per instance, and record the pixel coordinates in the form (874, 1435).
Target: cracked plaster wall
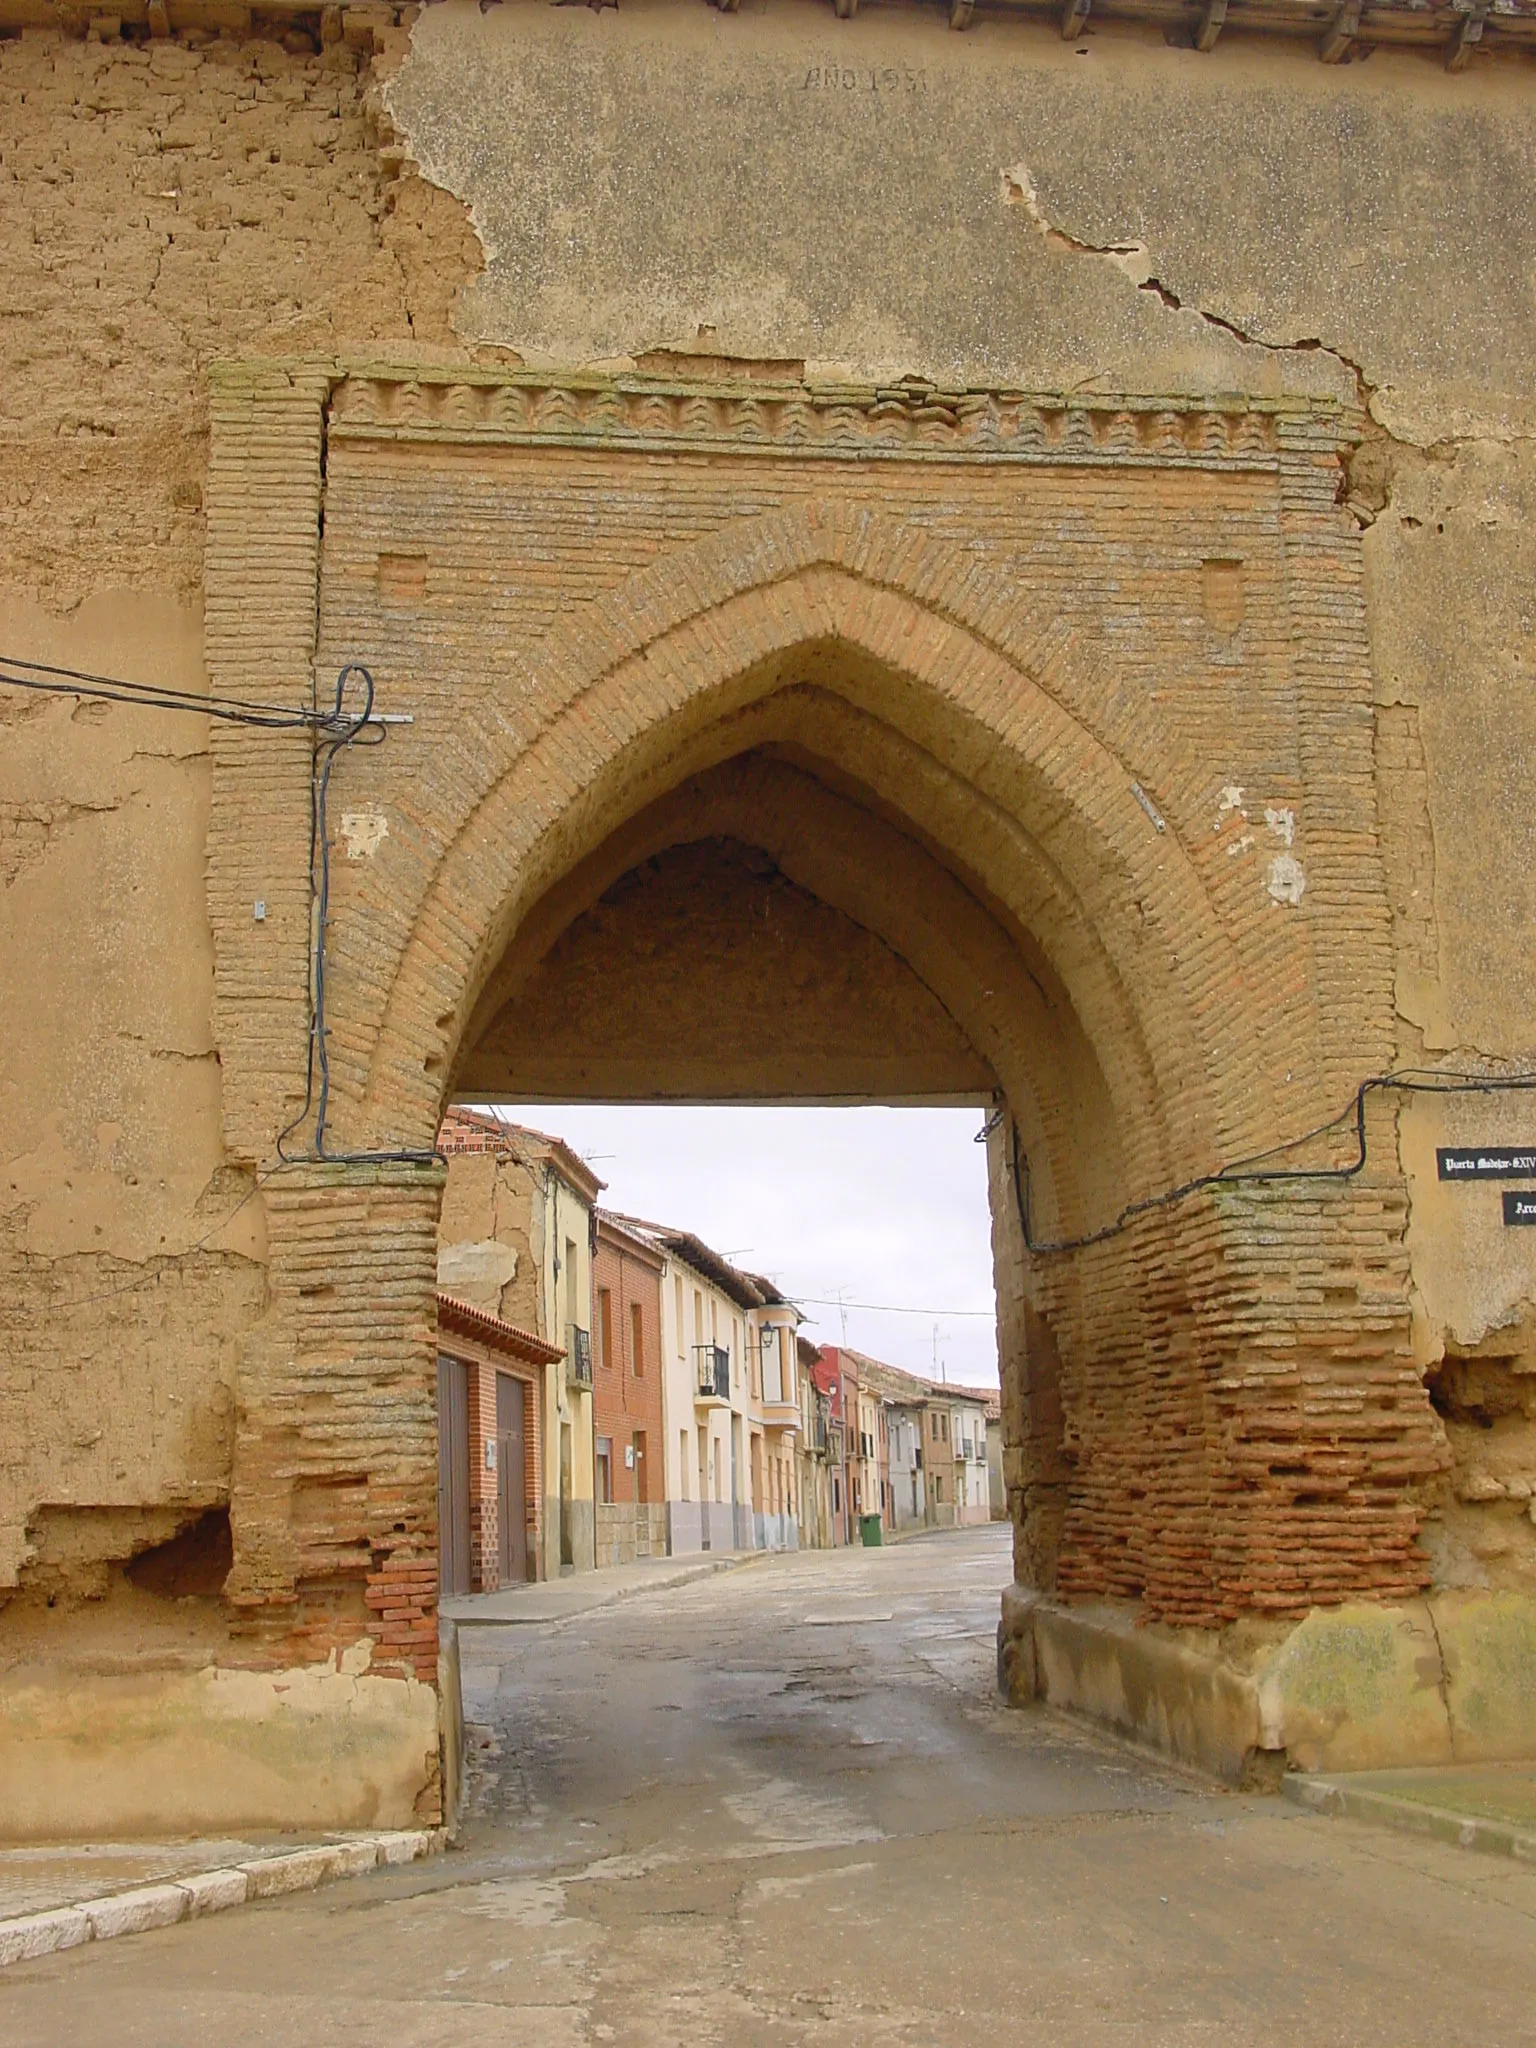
(772, 184)
(120, 1296)
(159, 206)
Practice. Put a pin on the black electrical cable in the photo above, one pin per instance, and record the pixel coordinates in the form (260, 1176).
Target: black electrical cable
(335, 728)
(339, 729)
(19, 673)
(331, 728)
(1251, 1172)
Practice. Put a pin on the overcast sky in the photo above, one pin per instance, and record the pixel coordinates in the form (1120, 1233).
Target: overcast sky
(887, 1205)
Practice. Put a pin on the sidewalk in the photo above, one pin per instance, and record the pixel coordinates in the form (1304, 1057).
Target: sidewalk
(560, 1599)
(1477, 1806)
(61, 1896)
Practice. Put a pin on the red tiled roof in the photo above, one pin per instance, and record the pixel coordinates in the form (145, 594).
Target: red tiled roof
(493, 1332)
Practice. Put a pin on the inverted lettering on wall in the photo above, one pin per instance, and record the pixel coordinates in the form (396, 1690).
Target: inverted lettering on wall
(877, 78)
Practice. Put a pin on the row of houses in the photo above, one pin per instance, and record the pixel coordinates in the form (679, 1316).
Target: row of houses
(611, 1388)
(916, 1453)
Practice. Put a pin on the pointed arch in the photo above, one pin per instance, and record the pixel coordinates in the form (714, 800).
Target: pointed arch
(1026, 754)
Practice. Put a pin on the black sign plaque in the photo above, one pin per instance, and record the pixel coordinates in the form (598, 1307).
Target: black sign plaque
(1519, 1206)
(1486, 1162)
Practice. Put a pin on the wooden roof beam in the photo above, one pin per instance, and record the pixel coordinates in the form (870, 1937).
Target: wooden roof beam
(1212, 17)
(1468, 35)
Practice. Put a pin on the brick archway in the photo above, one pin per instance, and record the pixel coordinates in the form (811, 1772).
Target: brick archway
(660, 677)
(589, 596)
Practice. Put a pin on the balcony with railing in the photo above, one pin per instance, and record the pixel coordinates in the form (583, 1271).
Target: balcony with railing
(711, 1376)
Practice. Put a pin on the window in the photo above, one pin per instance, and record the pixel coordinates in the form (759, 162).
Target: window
(605, 1469)
(698, 1317)
(682, 1450)
(637, 1339)
(944, 1427)
(605, 1327)
(682, 1348)
(773, 1375)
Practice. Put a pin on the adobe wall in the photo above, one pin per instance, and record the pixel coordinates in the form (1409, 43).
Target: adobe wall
(564, 186)
(490, 1237)
(158, 205)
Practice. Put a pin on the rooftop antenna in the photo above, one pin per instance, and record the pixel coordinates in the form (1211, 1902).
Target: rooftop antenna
(843, 1314)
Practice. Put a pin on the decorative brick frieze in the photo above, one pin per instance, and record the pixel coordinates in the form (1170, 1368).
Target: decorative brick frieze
(910, 421)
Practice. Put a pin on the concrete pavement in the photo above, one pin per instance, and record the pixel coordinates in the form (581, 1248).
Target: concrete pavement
(785, 1806)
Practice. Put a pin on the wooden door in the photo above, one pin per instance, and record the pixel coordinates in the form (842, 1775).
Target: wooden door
(452, 1475)
(511, 1480)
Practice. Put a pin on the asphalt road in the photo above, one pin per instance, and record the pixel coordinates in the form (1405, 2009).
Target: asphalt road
(784, 1805)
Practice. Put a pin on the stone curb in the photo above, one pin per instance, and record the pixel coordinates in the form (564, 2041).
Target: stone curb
(209, 1891)
(1357, 1802)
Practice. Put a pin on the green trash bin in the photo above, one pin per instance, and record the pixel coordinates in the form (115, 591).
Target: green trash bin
(872, 1531)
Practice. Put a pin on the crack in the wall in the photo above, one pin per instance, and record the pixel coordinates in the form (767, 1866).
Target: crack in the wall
(1134, 261)
(1303, 345)
(1442, 1680)
(1130, 258)
(27, 830)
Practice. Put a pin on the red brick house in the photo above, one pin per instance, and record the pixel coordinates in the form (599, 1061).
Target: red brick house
(490, 1404)
(828, 1375)
(629, 1448)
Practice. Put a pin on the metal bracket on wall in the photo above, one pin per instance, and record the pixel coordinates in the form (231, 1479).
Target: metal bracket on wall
(1342, 30)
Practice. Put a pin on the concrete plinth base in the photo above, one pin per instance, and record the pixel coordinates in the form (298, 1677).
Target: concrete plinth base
(176, 1752)
(1449, 1679)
